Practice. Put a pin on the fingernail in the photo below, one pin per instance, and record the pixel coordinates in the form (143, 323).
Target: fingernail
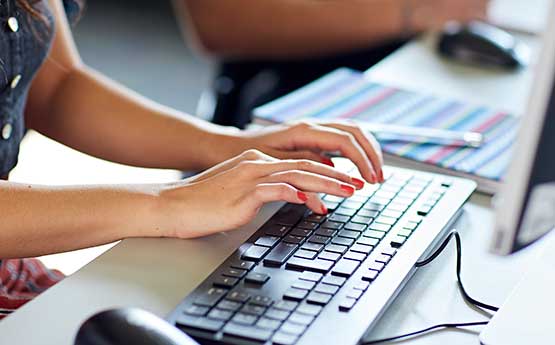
(328, 161)
(373, 178)
(357, 182)
(348, 189)
(324, 209)
(302, 196)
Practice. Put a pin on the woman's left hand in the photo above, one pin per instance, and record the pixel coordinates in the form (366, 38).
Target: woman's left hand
(305, 140)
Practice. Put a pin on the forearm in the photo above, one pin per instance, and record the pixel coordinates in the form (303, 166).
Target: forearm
(39, 220)
(291, 28)
(96, 115)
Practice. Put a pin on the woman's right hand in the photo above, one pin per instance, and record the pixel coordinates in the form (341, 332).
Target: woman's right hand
(231, 194)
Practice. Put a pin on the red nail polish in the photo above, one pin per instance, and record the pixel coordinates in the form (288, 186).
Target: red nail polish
(358, 183)
(381, 176)
(328, 161)
(302, 196)
(324, 210)
(348, 189)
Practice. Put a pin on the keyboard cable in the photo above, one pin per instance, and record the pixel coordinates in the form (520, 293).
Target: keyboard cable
(466, 296)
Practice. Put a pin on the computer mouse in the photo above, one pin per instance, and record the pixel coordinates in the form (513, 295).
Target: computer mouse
(478, 43)
(129, 326)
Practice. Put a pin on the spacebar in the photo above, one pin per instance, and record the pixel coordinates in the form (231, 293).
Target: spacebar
(317, 265)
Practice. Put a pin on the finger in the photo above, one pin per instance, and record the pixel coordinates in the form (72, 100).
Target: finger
(309, 155)
(315, 204)
(368, 143)
(311, 182)
(330, 139)
(269, 192)
(264, 169)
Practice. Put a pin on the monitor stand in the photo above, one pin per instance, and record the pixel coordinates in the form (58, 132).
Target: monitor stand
(526, 317)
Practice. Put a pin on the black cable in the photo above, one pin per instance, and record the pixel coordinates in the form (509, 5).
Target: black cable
(432, 328)
(438, 251)
(466, 296)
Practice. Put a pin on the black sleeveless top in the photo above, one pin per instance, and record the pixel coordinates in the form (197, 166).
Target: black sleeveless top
(24, 44)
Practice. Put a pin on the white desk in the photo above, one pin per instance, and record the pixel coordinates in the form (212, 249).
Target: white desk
(155, 274)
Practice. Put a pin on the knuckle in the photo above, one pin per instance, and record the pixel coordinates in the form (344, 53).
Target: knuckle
(302, 125)
(304, 164)
(252, 154)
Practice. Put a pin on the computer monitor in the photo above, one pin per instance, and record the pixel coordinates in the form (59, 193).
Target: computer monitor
(525, 205)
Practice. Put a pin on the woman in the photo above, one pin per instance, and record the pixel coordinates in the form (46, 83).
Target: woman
(45, 86)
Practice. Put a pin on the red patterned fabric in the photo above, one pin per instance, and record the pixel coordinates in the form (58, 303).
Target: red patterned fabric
(21, 280)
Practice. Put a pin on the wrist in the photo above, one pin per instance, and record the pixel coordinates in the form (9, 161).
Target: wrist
(224, 145)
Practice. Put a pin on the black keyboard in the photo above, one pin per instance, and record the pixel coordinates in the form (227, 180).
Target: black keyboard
(305, 278)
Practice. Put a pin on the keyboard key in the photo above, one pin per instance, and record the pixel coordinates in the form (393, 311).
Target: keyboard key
(376, 266)
(225, 282)
(289, 214)
(361, 248)
(244, 319)
(211, 297)
(316, 265)
(398, 241)
(368, 213)
(276, 230)
(300, 232)
(318, 239)
(281, 338)
(218, 314)
(286, 305)
(266, 323)
(196, 310)
(293, 239)
(318, 298)
(295, 294)
(316, 218)
(257, 278)
(374, 234)
(309, 309)
(311, 276)
(389, 251)
(253, 309)
(361, 285)
(394, 206)
(334, 280)
(255, 253)
(329, 256)
(332, 225)
(264, 301)
(204, 324)
(330, 205)
(349, 234)
(280, 254)
(238, 296)
(355, 294)
(410, 225)
(424, 210)
(316, 247)
(333, 198)
(267, 241)
(301, 319)
(404, 232)
(372, 206)
(277, 314)
(303, 284)
(347, 304)
(345, 268)
(368, 241)
(292, 328)
(345, 211)
(336, 248)
(307, 254)
(361, 220)
(370, 275)
(350, 255)
(379, 227)
(383, 258)
(307, 225)
(355, 227)
(229, 305)
(326, 288)
(386, 220)
(234, 272)
(244, 265)
(392, 214)
(343, 241)
(251, 333)
(325, 232)
(338, 218)
(352, 204)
